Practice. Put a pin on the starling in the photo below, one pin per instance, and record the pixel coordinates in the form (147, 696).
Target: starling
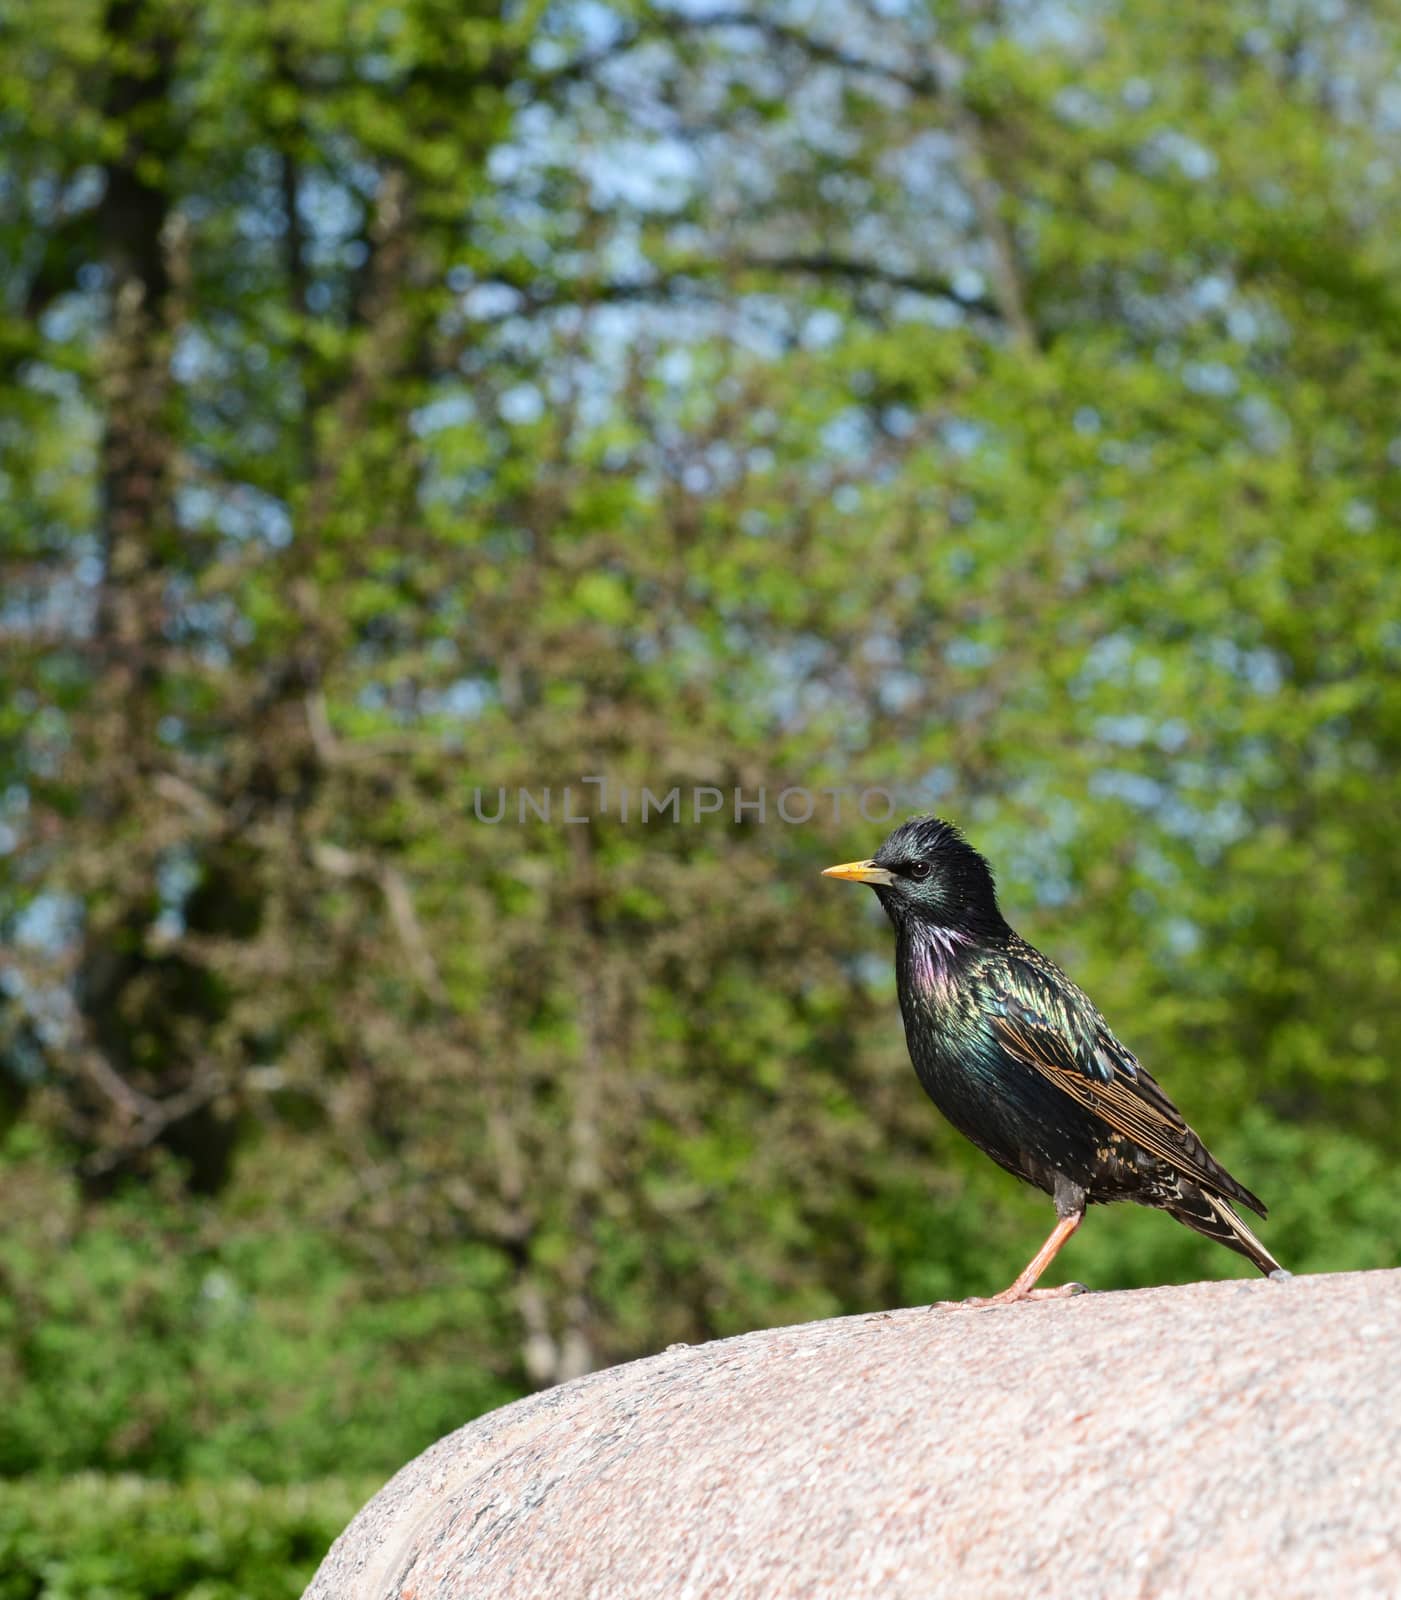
(1022, 1064)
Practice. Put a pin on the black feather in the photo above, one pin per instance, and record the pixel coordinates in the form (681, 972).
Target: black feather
(1020, 1060)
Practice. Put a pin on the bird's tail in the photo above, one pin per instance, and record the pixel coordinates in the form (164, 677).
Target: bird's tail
(1209, 1214)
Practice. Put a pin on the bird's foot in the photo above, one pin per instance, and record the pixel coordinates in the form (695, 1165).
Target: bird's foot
(1063, 1291)
(1008, 1297)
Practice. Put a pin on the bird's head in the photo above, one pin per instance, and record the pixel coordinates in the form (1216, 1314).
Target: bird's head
(927, 873)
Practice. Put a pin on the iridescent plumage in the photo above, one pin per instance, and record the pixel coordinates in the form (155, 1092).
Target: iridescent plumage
(1021, 1062)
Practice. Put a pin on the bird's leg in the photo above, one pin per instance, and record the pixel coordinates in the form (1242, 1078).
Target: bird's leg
(1024, 1287)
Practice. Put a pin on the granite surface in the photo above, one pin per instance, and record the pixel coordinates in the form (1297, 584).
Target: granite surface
(1217, 1439)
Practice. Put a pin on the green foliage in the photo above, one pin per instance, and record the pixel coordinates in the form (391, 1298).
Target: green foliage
(132, 1539)
(402, 403)
(158, 1337)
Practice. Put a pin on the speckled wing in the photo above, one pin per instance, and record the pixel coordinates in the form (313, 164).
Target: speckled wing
(1043, 1020)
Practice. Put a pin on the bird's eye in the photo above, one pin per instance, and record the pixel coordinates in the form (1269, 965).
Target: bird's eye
(918, 869)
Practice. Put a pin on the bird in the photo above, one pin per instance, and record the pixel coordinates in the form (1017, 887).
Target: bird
(1020, 1061)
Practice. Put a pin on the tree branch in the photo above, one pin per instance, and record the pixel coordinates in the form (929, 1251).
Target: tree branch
(827, 264)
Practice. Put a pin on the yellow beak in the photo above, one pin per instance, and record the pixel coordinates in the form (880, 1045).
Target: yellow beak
(859, 872)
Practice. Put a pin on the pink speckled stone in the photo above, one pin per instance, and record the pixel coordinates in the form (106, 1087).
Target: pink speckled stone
(1221, 1439)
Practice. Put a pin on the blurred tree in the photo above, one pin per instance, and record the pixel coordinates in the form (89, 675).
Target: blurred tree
(407, 403)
